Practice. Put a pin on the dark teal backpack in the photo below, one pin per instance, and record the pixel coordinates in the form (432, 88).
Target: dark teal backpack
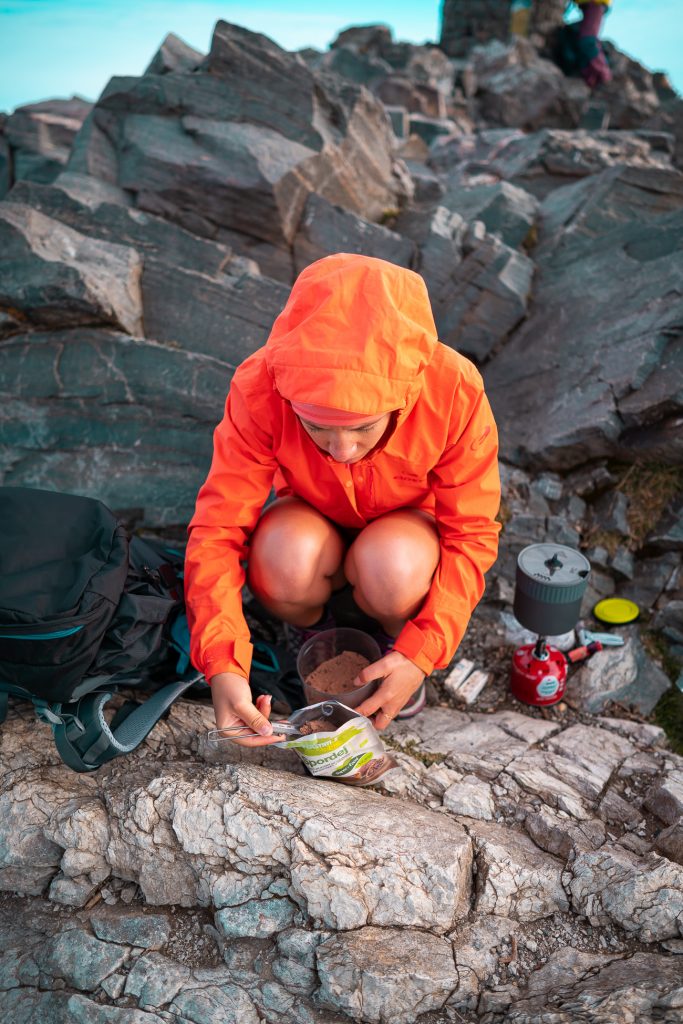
(85, 610)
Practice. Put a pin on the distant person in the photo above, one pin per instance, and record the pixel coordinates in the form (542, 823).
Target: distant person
(382, 448)
(580, 48)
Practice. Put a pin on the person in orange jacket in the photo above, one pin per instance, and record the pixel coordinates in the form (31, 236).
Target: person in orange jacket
(382, 448)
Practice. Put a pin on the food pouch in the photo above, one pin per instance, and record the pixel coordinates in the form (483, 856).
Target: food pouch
(338, 743)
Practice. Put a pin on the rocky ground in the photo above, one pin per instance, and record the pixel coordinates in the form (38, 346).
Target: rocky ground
(521, 864)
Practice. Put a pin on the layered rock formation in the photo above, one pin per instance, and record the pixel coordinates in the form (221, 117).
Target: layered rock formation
(517, 866)
(505, 862)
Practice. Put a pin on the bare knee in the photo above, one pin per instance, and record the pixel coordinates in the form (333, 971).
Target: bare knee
(292, 550)
(391, 564)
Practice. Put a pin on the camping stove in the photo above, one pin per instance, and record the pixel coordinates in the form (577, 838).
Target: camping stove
(551, 580)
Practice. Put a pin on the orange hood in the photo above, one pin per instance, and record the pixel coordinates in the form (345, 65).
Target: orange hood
(356, 334)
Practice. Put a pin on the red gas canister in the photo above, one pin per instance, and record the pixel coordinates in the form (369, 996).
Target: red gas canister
(536, 679)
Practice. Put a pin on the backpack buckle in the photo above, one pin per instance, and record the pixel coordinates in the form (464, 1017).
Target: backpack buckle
(47, 715)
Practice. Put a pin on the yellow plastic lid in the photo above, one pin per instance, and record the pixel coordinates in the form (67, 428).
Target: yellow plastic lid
(616, 611)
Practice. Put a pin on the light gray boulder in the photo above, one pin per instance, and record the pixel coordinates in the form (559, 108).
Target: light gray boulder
(264, 824)
(80, 959)
(640, 987)
(514, 878)
(642, 894)
(386, 975)
(624, 674)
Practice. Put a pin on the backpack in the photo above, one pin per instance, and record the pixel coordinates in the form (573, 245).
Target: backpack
(86, 609)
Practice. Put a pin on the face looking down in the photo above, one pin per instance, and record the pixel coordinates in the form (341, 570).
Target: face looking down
(348, 443)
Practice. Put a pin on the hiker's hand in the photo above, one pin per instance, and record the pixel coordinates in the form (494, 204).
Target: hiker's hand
(400, 679)
(232, 705)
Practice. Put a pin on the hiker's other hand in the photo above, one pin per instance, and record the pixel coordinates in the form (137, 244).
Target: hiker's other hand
(400, 679)
(233, 706)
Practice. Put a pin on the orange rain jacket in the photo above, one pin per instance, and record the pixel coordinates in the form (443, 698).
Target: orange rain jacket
(357, 334)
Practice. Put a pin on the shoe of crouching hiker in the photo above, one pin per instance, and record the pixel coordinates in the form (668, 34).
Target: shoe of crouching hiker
(296, 636)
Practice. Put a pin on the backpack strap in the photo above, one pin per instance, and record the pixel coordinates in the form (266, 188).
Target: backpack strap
(84, 738)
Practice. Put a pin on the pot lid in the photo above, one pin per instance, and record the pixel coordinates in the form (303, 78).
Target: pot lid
(554, 564)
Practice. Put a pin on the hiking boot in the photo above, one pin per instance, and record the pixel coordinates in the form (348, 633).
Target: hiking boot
(419, 698)
(416, 703)
(384, 641)
(296, 636)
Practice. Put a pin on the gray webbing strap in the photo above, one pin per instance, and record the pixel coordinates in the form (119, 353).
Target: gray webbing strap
(85, 740)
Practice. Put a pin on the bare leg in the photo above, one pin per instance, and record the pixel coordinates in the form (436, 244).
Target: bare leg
(390, 566)
(295, 561)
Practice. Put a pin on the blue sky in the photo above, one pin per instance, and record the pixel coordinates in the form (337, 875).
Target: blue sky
(60, 47)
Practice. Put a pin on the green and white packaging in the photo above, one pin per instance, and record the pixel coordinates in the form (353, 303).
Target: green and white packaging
(349, 751)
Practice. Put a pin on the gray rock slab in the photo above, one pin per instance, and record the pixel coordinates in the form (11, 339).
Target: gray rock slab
(41, 136)
(385, 975)
(668, 533)
(665, 799)
(114, 398)
(596, 752)
(471, 797)
(477, 948)
(641, 987)
(215, 1004)
(557, 833)
(552, 779)
(484, 749)
(56, 277)
(30, 1006)
(174, 54)
(5, 160)
(132, 928)
(156, 980)
(480, 747)
(80, 959)
(587, 420)
(518, 88)
(655, 578)
(325, 228)
(82, 1010)
(624, 674)
(505, 210)
(256, 919)
(295, 963)
(523, 727)
(434, 731)
(195, 293)
(28, 798)
(669, 842)
(575, 215)
(439, 235)
(644, 895)
(240, 142)
(514, 878)
(485, 297)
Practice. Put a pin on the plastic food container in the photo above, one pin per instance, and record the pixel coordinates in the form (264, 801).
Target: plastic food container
(329, 644)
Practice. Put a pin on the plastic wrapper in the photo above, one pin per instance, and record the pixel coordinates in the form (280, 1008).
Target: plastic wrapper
(335, 742)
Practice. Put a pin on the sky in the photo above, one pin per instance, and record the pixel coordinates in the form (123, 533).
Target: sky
(51, 48)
